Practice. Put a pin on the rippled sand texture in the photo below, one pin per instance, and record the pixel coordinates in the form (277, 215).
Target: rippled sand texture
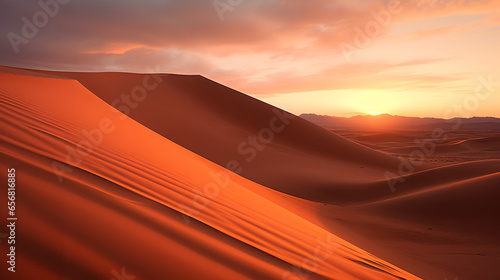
(149, 195)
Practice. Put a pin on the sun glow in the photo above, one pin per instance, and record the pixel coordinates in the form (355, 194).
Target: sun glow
(375, 113)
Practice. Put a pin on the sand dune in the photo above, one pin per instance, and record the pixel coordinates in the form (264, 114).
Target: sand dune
(219, 124)
(459, 146)
(121, 205)
(153, 195)
(388, 123)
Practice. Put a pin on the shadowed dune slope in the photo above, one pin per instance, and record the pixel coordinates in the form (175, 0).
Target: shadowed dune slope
(223, 126)
(120, 193)
(437, 223)
(467, 205)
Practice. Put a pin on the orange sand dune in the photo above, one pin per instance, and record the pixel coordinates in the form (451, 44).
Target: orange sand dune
(126, 203)
(120, 205)
(217, 122)
(458, 144)
(440, 230)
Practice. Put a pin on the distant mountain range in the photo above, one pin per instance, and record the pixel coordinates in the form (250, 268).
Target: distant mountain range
(390, 122)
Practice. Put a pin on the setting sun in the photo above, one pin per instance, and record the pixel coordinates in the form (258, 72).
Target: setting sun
(375, 113)
(232, 139)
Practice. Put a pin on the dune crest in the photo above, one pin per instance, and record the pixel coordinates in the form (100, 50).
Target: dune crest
(143, 186)
(120, 204)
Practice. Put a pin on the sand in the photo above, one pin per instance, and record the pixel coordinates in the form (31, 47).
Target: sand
(149, 192)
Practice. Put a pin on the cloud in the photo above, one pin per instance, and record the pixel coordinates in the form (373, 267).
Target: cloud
(261, 47)
(362, 76)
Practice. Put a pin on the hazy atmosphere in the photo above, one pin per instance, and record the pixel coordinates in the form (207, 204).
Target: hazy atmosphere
(250, 139)
(343, 58)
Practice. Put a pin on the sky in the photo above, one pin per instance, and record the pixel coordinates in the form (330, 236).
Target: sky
(423, 58)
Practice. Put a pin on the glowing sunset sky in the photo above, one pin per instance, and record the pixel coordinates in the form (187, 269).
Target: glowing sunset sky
(416, 58)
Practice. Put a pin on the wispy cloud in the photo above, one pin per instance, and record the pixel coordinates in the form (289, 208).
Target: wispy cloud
(263, 47)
